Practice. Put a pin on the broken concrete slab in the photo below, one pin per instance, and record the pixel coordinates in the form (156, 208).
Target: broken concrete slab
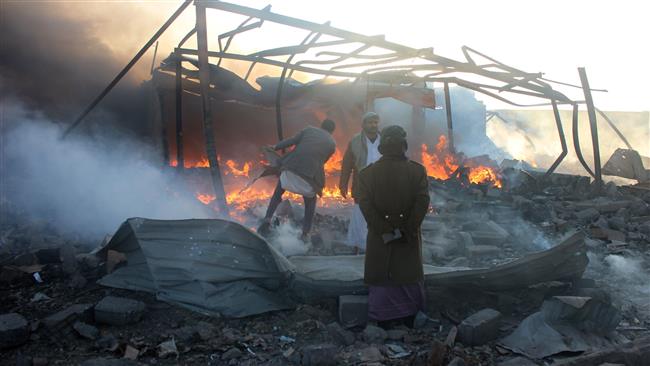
(109, 362)
(353, 310)
(78, 312)
(480, 327)
(319, 355)
(86, 330)
(626, 163)
(587, 215)
(340, 335)
(517, 361)
(118, 310)
(373, 334)
(14, 330)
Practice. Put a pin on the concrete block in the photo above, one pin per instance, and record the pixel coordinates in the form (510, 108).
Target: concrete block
(63, 319)
(340, 335)
(319, 355)
(588, 215)
(479, 328)
(353, 310)
(14, 330)
(118, 310)
(374, 334)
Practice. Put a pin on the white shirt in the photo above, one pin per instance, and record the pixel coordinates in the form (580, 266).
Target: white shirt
(373, 150)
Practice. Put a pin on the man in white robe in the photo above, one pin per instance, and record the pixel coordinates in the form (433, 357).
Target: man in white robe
(361, 152)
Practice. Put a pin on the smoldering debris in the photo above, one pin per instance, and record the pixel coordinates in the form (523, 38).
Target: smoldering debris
(468, 227)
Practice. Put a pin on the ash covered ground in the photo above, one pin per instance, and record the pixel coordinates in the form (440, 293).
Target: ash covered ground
(48, 282)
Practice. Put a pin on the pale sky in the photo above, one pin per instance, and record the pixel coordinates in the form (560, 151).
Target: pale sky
(556, 37)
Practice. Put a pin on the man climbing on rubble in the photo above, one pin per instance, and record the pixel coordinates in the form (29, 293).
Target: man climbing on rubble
(394, 198)
(361, 152)
(302, 171)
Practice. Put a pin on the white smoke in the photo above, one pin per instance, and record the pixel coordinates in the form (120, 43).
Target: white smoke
(86, 185)
(287, 239)
(625, 277)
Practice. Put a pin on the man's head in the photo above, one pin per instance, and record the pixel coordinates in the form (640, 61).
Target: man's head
(328, 125)
(370, 124)
(393, 141)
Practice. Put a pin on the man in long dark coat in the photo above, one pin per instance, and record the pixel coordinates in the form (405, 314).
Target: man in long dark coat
(394, 198)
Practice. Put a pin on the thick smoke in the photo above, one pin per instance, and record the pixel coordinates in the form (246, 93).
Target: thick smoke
(54, 64)
(84, 185)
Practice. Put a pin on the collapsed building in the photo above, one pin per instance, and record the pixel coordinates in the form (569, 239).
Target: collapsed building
(516, 239)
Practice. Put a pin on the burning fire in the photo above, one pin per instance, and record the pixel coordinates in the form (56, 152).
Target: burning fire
(442, 164)
(333, 165)
(205, 198)
(243, 172)
(240, 199)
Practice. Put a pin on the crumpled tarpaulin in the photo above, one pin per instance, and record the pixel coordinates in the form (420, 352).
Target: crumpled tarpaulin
(218, 266)
(212, 266)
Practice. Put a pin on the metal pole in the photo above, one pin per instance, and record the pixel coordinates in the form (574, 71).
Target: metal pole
(591, 111)
(180, 156)
(208, 131)
(560, 131)
(127, 67)
(450, 124)
(576, 141)
(153, 60)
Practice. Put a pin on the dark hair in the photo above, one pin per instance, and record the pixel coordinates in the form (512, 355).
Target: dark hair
(328, 125)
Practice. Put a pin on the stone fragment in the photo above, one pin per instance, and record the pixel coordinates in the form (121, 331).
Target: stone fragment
(118, 310)
(457, 361)
(167, 348)
(340, 335)
(353, 310)
(232, 354)
(319, 355)
(517, 361)
(60, 321)
(479, 328)
(14, 330)
(396, 334)
(373, 334)
(587, 215)
(86, 330)
(367, 355)
(109, 362)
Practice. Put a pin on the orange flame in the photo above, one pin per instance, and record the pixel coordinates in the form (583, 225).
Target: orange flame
(205, 198)
(441, 164)
(243, 172)
(333, 165)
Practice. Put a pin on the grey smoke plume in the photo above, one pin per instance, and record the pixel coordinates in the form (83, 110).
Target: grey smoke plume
(54, 64)
(86, 185)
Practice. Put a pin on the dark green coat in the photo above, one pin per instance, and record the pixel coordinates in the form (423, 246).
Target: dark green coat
(393, 194)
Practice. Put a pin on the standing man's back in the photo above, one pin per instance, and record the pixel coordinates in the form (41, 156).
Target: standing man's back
(394, 199)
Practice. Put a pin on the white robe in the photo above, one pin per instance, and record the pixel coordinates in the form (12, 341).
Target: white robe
(358, 228)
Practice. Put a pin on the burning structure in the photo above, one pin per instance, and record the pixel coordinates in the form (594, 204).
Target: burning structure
(206, 110)
(497, 237)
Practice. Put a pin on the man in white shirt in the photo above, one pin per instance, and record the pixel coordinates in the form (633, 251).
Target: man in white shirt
(361, 152)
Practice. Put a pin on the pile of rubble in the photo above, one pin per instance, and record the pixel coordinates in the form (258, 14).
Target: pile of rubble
(53, 312)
